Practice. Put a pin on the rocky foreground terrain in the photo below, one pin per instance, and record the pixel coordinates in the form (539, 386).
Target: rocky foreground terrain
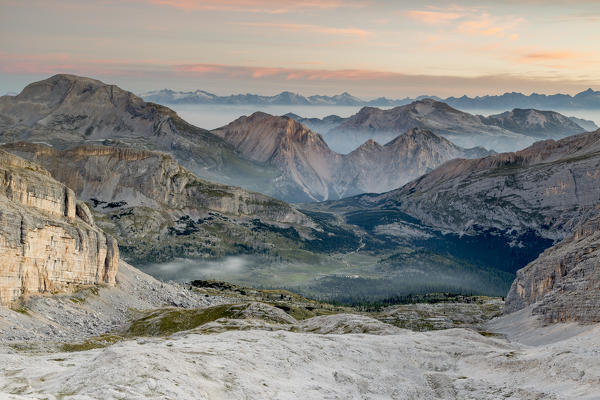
(147, 339)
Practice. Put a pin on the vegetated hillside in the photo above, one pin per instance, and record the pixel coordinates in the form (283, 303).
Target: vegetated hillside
(158, 210)
(500, 211)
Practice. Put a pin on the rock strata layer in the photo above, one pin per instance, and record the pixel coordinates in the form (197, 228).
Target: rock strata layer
(45, 244)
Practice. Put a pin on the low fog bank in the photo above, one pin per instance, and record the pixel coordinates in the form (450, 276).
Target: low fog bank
(185, 270)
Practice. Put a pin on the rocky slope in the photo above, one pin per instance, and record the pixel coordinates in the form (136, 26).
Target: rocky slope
(48, 240)
(324, 174)
(67, 110)
(358, 358)
(155, 207)
(549, 188)
(563, 284)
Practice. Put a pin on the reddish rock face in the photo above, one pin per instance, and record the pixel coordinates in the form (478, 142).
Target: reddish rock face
(44, 245)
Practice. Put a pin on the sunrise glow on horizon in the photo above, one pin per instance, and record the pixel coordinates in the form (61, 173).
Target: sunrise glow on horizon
(368, 48)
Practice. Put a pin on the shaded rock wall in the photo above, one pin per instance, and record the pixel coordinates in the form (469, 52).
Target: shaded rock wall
(564, 282)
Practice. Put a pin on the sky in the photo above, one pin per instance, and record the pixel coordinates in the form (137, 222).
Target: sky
(369, 48)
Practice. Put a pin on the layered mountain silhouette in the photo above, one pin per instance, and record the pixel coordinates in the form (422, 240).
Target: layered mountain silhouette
(508, 131)
(167, 96)
(273, 155)
(306, 159)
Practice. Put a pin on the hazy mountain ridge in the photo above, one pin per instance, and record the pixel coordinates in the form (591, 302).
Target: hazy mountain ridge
(588, 99)
(536, 123)
(324, 174)
(508, 131)
(167, 96)
(66, 111)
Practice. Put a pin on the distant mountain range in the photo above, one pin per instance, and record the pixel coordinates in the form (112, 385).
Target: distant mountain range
(278, 156)
(273, 155)
(588, 99)
(508, 131)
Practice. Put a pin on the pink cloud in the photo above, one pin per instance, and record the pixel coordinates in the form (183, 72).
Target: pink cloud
(252, 6)
(314, 28)
(549, 55)
(470, 21)
(433, 17)
(222, 75)
(283, 73)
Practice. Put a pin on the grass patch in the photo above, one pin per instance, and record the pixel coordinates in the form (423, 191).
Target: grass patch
(165, 322)
(92, 343)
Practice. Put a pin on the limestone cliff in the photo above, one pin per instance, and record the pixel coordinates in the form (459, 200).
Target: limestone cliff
(45, 244)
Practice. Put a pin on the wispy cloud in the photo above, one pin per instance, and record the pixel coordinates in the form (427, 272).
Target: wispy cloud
(432, 17)
(549, 55)
(281, 73)
(470, 21)
(327, 30)
(253, 6)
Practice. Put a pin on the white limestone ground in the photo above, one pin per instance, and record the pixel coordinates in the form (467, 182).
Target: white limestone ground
(260, 364)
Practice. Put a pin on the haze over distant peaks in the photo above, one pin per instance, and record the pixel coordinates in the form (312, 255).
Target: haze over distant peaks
(588, 99)
(508, 131)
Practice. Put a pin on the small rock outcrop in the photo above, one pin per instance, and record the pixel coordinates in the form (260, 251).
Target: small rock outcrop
(45, 245)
